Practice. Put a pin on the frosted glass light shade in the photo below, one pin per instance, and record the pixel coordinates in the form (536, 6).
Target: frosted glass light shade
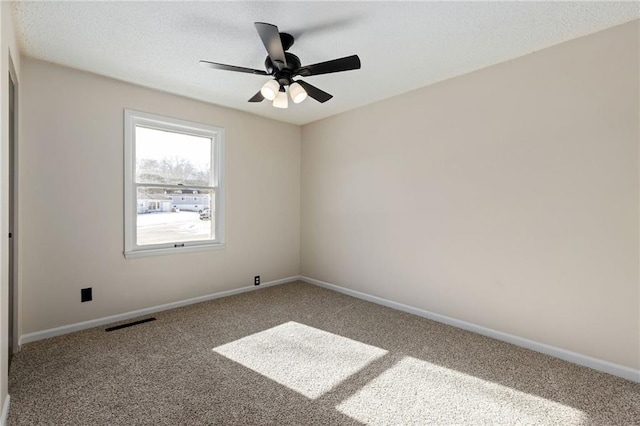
(297, 93)
(281, 101)
(270, 89)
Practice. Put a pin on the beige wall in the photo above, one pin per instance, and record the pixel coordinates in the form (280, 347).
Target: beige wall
(71, 208)
(8, 49)
(507, 197)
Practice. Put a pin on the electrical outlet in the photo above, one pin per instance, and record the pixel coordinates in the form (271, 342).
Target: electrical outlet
(256, 280)
(85, 295)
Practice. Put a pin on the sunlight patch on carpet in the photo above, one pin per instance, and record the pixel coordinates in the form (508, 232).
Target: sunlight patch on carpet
(417, 392)
(302, 358)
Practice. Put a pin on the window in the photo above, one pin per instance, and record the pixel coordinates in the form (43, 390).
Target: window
(164, 158)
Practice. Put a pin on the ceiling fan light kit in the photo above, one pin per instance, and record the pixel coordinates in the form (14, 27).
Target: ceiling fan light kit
(284, 66)
(297, 93)
(281, 101)
(270, 90)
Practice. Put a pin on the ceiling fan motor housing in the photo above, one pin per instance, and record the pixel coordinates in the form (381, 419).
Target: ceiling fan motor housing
(287, 41)
(284, 75)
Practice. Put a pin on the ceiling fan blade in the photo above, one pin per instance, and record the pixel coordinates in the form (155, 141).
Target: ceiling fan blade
(271, 39)
(317, 94)
(343, 64)
(257, 98)
(224, 67)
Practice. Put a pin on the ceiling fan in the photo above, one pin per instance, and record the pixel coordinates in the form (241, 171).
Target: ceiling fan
(284, 66)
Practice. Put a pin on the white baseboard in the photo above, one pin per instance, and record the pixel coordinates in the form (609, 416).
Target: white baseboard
(587, 361)
(5, 411)
(66, 329)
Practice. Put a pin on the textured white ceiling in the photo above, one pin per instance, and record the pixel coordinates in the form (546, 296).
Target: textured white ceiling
(402, 45)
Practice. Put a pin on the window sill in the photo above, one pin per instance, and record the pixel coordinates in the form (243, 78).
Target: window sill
(134, 254)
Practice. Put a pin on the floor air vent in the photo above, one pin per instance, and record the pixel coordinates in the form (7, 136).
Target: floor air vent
(129, 324)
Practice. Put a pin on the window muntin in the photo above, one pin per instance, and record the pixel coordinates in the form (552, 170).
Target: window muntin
(165, 160)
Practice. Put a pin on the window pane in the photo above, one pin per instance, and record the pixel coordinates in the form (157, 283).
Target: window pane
(174, 215)
(174, 158)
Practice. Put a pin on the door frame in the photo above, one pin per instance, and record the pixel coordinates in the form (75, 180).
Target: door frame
(14, 227)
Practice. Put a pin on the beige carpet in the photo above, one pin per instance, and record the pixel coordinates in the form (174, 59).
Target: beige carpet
(299, 354)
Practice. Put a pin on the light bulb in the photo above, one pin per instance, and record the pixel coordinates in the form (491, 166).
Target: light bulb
(297, 93)
(281, 101)
(270, 89)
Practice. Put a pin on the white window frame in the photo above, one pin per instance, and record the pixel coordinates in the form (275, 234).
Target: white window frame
(136, 118)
